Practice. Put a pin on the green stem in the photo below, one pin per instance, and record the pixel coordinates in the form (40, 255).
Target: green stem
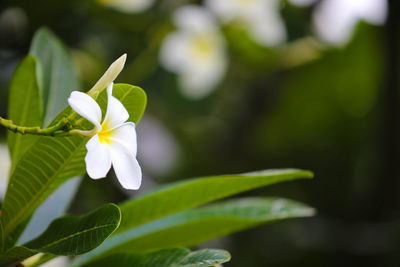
(60, 129)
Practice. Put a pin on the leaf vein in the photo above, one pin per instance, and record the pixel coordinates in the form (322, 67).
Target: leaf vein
(76, 234)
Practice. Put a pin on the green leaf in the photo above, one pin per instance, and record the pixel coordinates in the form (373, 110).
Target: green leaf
(69, 235)
(25, 105)
(194, 226)
(74, 235)
(204, 257)
(15, 255)
(50, 162)
(59, 77)
(194, 192)
(175, 257)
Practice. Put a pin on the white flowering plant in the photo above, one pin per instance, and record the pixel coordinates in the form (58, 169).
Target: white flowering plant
(96, 131)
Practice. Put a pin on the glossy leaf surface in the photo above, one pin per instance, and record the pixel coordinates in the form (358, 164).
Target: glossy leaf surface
(194, 192)
(176, 257)
(25, 105)
(198, 225)
(69, 235)
(59, 77)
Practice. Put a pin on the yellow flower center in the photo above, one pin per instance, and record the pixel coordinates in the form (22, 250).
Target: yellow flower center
(202, 47)
(105, 134)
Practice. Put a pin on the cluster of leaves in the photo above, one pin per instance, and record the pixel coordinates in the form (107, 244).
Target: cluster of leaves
(146, 231)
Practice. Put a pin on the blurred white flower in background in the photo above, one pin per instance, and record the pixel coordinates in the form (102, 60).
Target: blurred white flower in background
(5, 165)
(128, 6)
(196, 51)
(261, 18)
(158, 149)
(302, 2)
(335, 20)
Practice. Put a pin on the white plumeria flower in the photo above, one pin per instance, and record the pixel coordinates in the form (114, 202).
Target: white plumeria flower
(196, 51)
(261, 18)
(335, 20)
(128, 6)
(113, 141)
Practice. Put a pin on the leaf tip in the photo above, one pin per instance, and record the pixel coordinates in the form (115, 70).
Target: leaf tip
(308, 174)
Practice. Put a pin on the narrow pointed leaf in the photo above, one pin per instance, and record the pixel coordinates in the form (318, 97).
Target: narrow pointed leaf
(59, 77)
(25, 105)
(69, 235)
(198, 225)
(50, 162)
(175, 257)
(194, 192)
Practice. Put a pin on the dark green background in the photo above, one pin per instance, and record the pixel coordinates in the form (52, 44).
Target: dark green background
(337, 115)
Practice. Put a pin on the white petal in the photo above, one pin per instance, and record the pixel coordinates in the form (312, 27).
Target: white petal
(98, 160)
(302, 3)
(86, 106)
(126, 136)
(227, 10)
(267, 29)
(201, 81)
(116, 113)
(126, 167)
(334, 21)
(130, 6)
(373, 11)
(194, 18)
(174, 53)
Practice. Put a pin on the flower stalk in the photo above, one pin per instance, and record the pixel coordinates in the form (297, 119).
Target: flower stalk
(62, 128)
